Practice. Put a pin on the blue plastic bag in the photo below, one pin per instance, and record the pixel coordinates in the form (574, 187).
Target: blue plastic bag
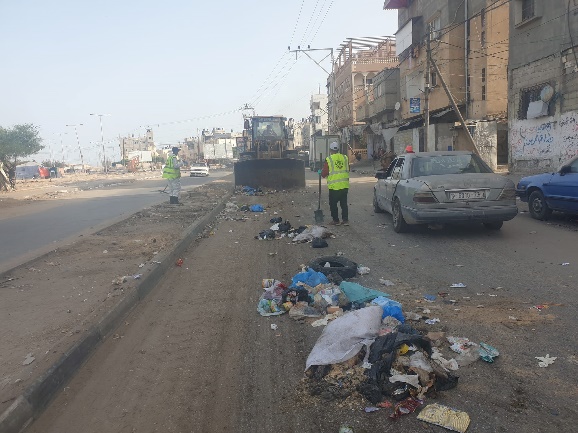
(256, 208)
(390, 308)
(310, 277)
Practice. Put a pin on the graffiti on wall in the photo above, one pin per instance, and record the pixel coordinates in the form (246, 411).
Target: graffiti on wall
(532, 139)
(568, 135)
(548, 139)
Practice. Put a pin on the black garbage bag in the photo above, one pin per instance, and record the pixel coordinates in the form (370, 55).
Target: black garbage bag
(300, 230)
(285, 227)
(319, 243)
(266, 234)
(276, 220)
(295, 295)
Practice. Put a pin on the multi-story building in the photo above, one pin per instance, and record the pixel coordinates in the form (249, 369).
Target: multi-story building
(139, 143)
(466, 41)
(356, 64)
(543, 89)
(319, 118)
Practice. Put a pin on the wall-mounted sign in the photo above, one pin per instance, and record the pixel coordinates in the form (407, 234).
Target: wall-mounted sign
(415, 105)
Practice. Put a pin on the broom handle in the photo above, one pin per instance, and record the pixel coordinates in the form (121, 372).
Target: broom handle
(320, 159)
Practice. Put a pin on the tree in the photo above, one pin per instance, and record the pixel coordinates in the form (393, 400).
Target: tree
(16, 142)
(19, 141)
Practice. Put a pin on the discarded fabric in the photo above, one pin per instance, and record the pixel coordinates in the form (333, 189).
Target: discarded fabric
(487, 352)
(312, 232)
(359, 294)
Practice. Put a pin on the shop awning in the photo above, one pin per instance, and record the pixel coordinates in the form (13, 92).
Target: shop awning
(395, 4)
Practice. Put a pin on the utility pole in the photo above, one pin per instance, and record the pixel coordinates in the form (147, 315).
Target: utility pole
(427, 89)
(455, 106)
(78, 142)
(102, 140)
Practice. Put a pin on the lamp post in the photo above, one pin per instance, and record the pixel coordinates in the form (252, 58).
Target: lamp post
(78, 142)
(102, 140)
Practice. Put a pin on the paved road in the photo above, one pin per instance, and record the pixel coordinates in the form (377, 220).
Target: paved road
(29, 231)
(196, 357)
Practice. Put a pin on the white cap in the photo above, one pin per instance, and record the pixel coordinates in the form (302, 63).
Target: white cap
(334, 146)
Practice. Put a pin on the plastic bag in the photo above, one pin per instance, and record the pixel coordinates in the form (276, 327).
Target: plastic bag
(309, 277)
(256, 208)
(390, 308)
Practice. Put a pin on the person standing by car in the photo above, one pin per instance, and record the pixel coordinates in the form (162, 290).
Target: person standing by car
(336, 170)
(172, 173)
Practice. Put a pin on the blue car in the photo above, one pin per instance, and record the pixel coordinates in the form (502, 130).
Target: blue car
(549, 192)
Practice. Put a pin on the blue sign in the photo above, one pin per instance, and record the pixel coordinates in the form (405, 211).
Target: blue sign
(415, 105)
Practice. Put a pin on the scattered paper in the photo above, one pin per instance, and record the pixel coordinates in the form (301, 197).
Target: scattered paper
(274, 326)
(458, 285)
(432, 321)
(545, 361)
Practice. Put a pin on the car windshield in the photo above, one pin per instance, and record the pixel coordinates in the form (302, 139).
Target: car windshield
(447, 164)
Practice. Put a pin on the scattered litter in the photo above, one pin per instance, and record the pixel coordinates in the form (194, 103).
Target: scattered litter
(339, 254)
(405, 407)
(446, 417)
(345, 429)
(540, 307)
(390, 308)
(30, 359)
(356, 293)
(459, 266)
(137, 276)
(458, 286)
(429, 298)
(319, 243)
(178, 263)
(327, 318)
(512, 318)
(363, 270)
(385, 404)
(432, 321)
(386, 282)
(545, 361)
(370, 409)
(256, 208)
(310, 233)
(533, 232)
(410, 315)
(276, 220)
(487, 352)
(565, 264)
(141, 265)
(274, 326)
(274, 227)
(105, 252)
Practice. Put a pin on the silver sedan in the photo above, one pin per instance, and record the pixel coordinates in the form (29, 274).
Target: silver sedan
(443, 187)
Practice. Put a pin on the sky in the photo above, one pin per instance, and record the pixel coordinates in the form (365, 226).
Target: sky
(174, 66)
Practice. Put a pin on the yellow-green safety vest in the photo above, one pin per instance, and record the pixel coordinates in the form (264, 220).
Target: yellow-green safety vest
(170, 172)
(338, 177)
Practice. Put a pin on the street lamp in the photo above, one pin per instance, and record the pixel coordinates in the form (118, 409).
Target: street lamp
(102, 140)
(78, 142)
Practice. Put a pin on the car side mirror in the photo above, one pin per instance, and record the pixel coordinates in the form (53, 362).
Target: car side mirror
(380, 175)
(565, 169)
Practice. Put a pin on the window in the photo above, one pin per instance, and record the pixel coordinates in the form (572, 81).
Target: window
(435, 27)
(483, 75)
(526, 96)
(483, 38)
(483, 93)
(397, 169)
(527, 9)
(369, 81)
(483, 18)
(433, 80)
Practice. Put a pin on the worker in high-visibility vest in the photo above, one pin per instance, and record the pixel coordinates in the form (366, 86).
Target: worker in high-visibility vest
(336, 170)
(172, 173)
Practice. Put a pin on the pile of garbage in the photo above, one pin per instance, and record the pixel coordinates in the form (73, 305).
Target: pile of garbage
(283, 229)
(368, 349)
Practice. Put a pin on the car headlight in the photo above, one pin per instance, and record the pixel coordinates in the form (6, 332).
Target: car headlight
(507, 194)
(521, 187)
(424, 197)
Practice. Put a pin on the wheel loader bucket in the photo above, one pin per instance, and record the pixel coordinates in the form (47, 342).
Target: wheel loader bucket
(282, 173)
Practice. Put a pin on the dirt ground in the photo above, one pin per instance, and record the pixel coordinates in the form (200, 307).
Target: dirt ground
(47, 303)
(196, 357)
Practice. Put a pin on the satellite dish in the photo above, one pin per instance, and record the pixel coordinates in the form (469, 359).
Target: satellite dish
(547, 93)
(397, 105)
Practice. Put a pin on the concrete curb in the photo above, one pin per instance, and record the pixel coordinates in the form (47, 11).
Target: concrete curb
(36, 397)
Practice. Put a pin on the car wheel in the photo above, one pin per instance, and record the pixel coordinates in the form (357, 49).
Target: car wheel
(538, 207)
(345, 268)
(495, 225)
(399, 224)
(376, 207)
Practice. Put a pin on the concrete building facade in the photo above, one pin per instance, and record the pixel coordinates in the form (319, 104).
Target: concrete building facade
(543, 83)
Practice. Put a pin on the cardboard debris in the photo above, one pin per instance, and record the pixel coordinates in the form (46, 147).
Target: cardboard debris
(446, 417)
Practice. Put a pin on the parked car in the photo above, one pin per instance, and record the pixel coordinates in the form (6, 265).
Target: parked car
(199, 169)
(443, 187)
(549, 192)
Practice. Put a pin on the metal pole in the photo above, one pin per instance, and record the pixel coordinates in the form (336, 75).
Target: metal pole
(102, 141)
(466, 55)
(455, 106)
(426, 90)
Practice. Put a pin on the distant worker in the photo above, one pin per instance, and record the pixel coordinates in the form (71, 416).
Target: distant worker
(172, 173)
(409, 149)
(336, 170)
(269, 131)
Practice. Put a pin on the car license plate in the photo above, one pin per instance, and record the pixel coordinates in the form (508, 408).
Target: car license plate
(468, 195)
